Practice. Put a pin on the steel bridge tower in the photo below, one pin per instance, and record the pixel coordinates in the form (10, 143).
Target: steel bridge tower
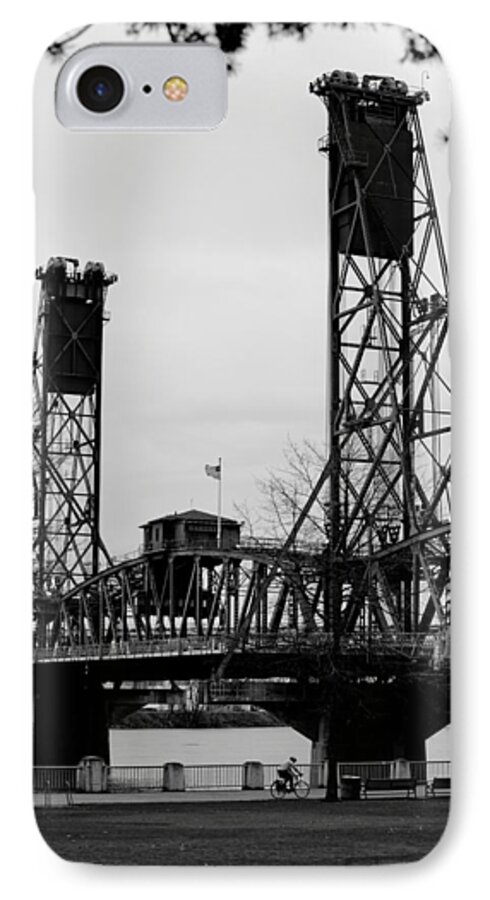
(67, 367)
(388, 475)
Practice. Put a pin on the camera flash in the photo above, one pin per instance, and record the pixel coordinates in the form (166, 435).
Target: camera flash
(175, 88)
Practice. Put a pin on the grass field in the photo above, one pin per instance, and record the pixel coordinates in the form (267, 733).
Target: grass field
(249, 833)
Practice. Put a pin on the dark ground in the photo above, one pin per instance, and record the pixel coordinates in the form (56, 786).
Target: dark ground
(300, 832)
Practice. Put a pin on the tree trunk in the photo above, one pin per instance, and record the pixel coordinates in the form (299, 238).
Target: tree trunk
(330, 737)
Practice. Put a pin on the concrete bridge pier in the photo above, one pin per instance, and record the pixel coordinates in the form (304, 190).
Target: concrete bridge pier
(70, 716)
(362, 721)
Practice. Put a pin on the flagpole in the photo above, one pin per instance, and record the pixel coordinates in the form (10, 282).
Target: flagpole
(220, 476)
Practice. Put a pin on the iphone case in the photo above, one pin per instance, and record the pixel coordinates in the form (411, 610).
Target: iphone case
(241, 460)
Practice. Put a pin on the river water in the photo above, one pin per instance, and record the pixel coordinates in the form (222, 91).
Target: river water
(205, 746)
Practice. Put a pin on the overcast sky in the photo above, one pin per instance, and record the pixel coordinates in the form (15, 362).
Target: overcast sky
(216, 344)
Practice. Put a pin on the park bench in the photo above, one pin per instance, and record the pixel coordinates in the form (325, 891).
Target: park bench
(388, 785)
(439, 785)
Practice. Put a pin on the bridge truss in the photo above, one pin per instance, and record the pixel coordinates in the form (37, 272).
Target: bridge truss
(388, 477)
(67, 361)
(171, 603)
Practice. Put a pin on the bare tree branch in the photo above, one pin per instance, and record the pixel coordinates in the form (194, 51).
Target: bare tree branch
(58, 48)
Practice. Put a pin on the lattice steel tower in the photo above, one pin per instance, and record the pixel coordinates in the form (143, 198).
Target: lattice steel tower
(67, 372)
(389, 471)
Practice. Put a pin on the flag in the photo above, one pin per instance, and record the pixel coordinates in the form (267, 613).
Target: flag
(213, 471)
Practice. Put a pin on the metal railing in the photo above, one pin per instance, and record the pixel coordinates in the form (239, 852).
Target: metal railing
(134, 648)
(253, 544)
(252, 690)
(220, 776)
(54, 778)
(422, 770)
(246, 543)
(134, 778)
(432, 645)
(48, 780)
(215, 777)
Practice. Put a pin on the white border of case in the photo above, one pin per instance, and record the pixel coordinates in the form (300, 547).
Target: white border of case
(464, 46)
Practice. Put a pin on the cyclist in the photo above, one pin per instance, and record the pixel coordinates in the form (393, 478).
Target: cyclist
(287, 772)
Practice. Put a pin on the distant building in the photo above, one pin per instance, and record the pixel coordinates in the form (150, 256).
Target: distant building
(438, 745)
(193, 529)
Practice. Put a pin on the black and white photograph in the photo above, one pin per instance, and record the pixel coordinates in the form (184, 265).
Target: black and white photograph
(241, 446)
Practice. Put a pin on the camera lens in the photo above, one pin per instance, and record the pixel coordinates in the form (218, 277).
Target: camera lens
(100, 89)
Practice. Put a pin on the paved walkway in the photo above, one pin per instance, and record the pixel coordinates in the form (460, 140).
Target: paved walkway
(60, 800)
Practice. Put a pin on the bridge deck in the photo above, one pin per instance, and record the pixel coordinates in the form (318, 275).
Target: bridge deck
(431, 647)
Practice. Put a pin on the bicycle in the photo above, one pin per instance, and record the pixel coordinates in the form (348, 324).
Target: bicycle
(300, 788)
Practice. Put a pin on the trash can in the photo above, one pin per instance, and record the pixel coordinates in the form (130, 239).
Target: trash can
(252, 776)
(350, 787)
(92, 775)
(173, 777)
